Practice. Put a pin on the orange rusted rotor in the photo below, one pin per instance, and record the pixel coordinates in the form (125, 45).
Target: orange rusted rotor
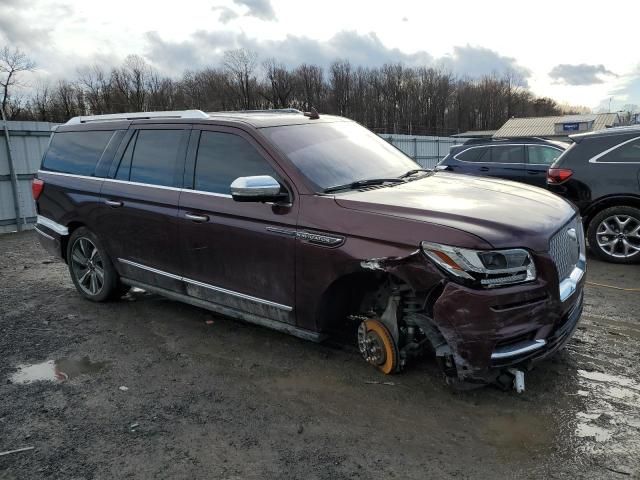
(376, 346)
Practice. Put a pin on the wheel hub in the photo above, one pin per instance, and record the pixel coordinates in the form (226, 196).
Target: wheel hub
(371, 346)
(619, 236)
(376, 345)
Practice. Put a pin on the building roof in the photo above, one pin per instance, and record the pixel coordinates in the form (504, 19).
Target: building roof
(545, 126)
(475, 134)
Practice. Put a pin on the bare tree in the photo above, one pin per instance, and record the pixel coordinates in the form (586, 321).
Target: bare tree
(240, 64)
(280, 83)
(13, 61)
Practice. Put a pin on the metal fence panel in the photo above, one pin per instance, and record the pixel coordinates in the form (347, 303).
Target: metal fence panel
(426, 150)
(28, 143)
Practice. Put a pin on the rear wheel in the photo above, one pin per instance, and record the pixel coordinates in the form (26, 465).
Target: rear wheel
(614, 234)
(90, 267)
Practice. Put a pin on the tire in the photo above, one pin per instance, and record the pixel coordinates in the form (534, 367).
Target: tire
(614, 235)
(91, 269)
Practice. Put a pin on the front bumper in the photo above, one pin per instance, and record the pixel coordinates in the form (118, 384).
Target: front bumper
(489, 330)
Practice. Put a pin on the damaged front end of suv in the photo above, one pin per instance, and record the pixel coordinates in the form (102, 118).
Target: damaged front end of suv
(487, 315)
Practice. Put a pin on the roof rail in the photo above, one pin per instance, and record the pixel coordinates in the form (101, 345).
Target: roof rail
(270, 110)
(111, 117)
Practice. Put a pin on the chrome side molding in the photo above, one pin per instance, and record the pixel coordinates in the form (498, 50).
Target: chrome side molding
(50, 224)
(232, 293)
(231, 312)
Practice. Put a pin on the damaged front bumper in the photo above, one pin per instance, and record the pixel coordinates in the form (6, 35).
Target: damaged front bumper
(489, 331)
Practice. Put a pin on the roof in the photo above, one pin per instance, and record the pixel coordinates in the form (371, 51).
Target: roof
(266, 118)
(545, 126)
(475, 134)
(255, 118)
(626, 130)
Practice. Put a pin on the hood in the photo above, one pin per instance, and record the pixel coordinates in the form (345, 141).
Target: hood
(503, 213)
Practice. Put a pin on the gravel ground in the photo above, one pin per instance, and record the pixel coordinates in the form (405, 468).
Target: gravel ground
(150, 388)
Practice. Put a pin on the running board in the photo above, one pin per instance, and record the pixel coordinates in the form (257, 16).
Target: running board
(230, 312)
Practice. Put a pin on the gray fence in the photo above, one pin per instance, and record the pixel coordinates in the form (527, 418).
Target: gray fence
(28, 141)
(427, 151)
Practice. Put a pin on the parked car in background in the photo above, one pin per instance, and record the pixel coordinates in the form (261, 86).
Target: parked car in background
(523, 160)
(600, 174)
(313, 225)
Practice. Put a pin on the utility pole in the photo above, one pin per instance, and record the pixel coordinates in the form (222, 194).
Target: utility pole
(20, 220)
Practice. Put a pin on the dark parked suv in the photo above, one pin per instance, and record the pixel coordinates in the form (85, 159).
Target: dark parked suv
(600, 173)
(523, 160)
(310, 225)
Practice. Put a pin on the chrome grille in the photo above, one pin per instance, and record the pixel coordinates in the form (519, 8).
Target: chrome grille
(566, 250)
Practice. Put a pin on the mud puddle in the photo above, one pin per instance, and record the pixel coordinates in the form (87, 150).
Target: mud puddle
(55, 370)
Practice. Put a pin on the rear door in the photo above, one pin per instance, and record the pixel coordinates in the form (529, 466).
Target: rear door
(506, 161)
(618, 165)
(139, 215)
(539, 159)
(239, 255)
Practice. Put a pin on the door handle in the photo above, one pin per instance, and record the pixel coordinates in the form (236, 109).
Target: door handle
(196, 218)
(484, 169)
(113, 203)
(533, 172)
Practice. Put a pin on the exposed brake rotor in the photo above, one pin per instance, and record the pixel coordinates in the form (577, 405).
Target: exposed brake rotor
(376, 346)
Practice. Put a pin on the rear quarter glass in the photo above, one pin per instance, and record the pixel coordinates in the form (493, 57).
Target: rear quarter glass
(77, 153)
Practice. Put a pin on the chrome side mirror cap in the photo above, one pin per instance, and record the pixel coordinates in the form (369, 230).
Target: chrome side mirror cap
(259, 188)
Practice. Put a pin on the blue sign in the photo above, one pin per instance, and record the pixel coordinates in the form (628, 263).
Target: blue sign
(570, 127)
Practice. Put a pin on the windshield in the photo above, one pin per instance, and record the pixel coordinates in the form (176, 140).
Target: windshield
(331, 154)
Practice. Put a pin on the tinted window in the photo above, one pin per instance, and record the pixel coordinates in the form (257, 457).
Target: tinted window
(478, 154)
(76, 152)
(223, 157)
(331, 154)
(629, 152)
(507, 154)
(154, 156)
(541, 155)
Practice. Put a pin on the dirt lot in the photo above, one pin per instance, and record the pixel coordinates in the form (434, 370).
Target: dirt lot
(209, 397)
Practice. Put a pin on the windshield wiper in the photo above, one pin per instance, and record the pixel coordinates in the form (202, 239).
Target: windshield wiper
(363, 183)
(414, 171)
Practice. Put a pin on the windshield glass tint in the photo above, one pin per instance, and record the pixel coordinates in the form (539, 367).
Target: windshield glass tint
(339, 153)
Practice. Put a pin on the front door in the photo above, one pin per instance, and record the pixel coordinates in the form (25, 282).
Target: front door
(239, 255)
(139, 218)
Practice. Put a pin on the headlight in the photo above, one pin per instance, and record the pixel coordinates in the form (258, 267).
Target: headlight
(485, 268)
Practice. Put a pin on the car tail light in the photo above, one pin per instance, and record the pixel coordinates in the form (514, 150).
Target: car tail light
(36, 188)
(558, 175)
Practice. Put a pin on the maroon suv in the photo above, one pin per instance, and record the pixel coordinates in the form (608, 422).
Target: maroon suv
(311, 225)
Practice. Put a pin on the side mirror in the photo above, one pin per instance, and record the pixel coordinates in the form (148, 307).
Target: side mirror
(260, 188)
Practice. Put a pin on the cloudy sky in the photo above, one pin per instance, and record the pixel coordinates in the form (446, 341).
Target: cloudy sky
(582, 53)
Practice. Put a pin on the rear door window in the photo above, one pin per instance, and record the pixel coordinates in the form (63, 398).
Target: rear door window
(474, 154)
(76, 152)
(223, 157)
(541, 155)
(507, 154)
(155, 157)
(627, 153)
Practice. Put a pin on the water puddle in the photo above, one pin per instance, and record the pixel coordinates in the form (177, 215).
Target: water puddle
(55, 370)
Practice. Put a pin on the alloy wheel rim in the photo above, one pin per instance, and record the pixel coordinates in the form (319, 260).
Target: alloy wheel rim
(619, 236)
(87, 266)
